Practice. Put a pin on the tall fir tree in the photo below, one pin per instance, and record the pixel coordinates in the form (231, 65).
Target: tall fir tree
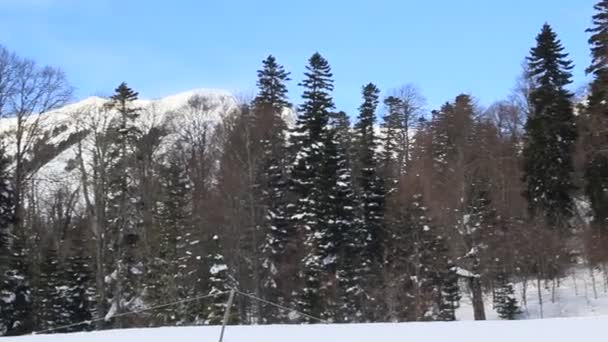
(369, 184)
(550, 133)
(220, 283)
(123, 215)
(306, 209)
(15, 292)
(595, 114)
(79, 288)
(390, 127)
(371, 195)
(269, 105)
(50, 293)
(505, 302)
(172, 275)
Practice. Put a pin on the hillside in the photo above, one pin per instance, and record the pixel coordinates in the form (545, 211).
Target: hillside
(60, 130)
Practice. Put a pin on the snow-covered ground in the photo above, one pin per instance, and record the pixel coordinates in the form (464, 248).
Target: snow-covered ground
(575, 313)
(554, 330)
(575, 296)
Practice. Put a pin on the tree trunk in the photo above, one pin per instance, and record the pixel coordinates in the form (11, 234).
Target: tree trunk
(478, 307)
(540, 296)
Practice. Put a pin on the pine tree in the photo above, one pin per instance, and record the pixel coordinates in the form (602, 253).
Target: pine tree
(79, 293)
(269, 104)
(307, 140)
(370, 187)
(388, 162)
(170, 272)
(505, 301)
(15, 293)
(339, 218)
(272, 90)
(16, 312)
(550, 133)
(49, 294)
(123, 215)
(220, 284)
(595, 114)
(370, 196)
(450, 294)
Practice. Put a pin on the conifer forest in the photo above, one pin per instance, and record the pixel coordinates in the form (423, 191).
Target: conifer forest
(392, 213)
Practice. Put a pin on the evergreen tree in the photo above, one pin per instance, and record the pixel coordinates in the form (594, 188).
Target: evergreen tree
(595, 137)
(269, 104)
(49, 293)
(550, 132)
(123, 215)
(450, 294)
(307, 140)
(505, 301)
(170, 275)
(219, 284)
(272, 90)
(388, 162)
(15, 293)
(339, 218)
(370, 187)
(370, 196)
(79, 293)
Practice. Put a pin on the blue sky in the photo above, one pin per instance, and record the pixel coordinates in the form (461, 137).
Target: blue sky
(445, 47)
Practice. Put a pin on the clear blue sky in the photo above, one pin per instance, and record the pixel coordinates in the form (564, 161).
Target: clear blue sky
(162, 47)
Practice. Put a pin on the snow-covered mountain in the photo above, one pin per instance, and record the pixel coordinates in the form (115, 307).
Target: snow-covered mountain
(63, 128)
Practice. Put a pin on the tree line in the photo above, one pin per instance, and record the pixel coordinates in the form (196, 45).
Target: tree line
(392, 218)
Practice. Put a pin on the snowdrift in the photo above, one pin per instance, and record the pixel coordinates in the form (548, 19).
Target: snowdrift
(554, 330)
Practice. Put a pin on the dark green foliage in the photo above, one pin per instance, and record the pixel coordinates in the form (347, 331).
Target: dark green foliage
(595, 116)
(450, 294)
(307, 209)
(220, 283)
(269, 104)
(124, 202)
(371, 197)
(79, 292)
(15, 294)
(550, 133)
(369, 184)
(504, 299)
(50, 293)
(272, 90)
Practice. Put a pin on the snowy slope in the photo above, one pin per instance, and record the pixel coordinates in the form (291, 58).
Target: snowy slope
(577, 295)
(554, 330)
(62, 125)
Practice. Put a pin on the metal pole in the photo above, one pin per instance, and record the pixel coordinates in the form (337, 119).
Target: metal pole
(227, 313)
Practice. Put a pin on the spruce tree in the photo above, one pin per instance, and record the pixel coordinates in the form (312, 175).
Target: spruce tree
(595, 114)
(370, 193)
(339, 218)
(550, 133)
(172, 275)
(450, 293)
(15, 293)
(269, 105)
(49, 293)
(16, 311)
(220, 283)
(123, 215)
(370, 187)
(272, 87)
(79, 288)
(388, 162)
(307, 141)
(505, 301)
